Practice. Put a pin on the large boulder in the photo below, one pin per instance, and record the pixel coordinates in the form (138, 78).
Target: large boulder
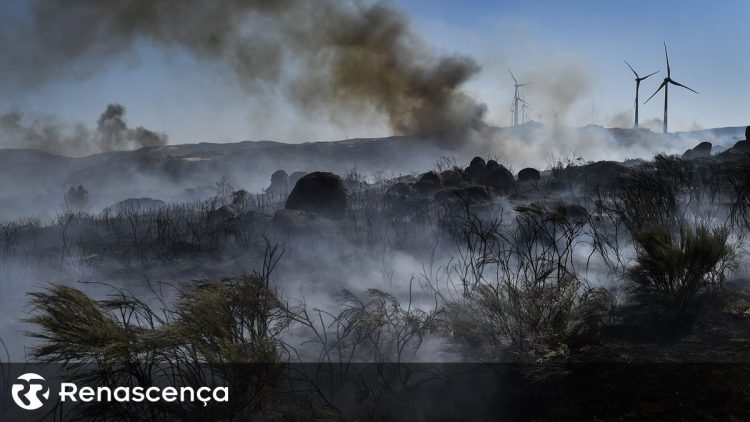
(294, 177)
(476, 170)
(500, 179)
(702, 150)
(491, 166)
(740, 150)
(321, 193)
(529, 175)
(136, 205)
(601, 174)
(428, 183)
(279, 183)
(451, 178)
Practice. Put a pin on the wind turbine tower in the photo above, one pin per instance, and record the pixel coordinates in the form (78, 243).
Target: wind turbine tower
(668, 80)
(516, 97)
(638, 80)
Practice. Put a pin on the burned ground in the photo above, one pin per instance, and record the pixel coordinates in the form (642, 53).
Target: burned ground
(593, 264)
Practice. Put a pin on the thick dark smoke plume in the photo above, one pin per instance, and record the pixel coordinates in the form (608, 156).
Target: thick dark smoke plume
(47, 134)
(336, 56)
(112, 132)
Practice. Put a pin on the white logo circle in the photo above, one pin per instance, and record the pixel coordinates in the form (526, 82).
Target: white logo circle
(27, 392)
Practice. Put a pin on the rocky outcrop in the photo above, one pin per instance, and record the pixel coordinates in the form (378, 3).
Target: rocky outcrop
(500, 179)
(529, 175)
(476, 170)
(136, 205)
(321, 193)
(428, 183)
(702, 150)
(279, 183)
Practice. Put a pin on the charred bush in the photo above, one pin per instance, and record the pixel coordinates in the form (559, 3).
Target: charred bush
(669, 273)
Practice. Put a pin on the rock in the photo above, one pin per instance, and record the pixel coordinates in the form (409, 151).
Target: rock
(451, 178)
(401, 196)
(428, 183)
(224, 218)
(136, 205)
(740, 150)
(604, 174)
(500, 179)
(529, 175)
(224, 213)
(294, 178)
(399, 190)
(476, 169)
(469, 195)
(400, 193)
(491, 165)
(742, 146)
(702, 150)
(321, 193)
(279, 183)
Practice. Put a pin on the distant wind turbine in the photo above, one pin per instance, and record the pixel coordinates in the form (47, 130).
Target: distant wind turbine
(516, 97)
(524, 107)
(668, 80)
(638, 80)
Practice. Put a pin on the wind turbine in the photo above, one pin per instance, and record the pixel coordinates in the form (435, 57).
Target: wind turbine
(524, 107)
(516, 98)
(638, 80)
(668, 80)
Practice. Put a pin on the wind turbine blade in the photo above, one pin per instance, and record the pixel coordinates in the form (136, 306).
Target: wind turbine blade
(657, 91)
(527, 83)
(513, 76)
(679, 84)
(669, 71)
(631, 68)
(650, 74)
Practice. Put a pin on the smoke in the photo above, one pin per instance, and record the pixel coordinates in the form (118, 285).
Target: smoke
(654, 124)
(621, 119)
(45, 133)
(540, 146)
(342, 58)
(112, 132)
(562, 83)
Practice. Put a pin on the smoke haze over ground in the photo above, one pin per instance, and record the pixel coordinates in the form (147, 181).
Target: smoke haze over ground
(46, 134)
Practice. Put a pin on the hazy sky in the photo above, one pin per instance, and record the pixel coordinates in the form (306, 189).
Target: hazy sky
(572, 51)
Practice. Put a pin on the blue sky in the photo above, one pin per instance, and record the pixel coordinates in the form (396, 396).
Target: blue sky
(708, 46)
(555, 44)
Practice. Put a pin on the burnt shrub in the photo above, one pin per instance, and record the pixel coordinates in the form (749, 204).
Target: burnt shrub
(669, 273)
(125, 342)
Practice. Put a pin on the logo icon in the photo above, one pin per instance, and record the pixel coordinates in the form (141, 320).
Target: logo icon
(28, 391)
